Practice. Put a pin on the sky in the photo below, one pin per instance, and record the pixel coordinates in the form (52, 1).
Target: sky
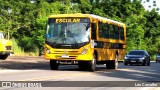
(147, 4)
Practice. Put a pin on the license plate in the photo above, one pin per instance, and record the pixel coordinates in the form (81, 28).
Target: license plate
(133, 61)
(65, 56)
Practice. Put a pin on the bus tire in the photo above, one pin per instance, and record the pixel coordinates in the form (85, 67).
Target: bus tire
(54, 65)
(116, 62)
(82, 65)
(108, 64)
(3, 57)
(92, 64)
(112, 64)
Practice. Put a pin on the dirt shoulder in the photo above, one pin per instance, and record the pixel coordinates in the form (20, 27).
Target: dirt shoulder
(23, 62)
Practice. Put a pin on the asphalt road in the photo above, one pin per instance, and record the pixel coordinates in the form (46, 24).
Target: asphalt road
(37, 69)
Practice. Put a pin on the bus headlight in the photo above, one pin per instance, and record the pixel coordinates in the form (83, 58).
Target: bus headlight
(47, 50)
(84, 51)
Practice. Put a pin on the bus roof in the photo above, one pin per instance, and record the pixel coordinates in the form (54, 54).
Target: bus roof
(69, 15)
(106, 19)
(87, 15)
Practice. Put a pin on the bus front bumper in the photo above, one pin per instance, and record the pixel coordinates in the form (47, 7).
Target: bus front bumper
(5, 53)
(64, 57)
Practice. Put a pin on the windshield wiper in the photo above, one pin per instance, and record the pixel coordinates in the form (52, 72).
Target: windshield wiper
(64, 40)
(75, 44)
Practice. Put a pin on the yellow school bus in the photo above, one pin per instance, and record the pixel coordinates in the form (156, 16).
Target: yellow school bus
(86, 39)
(5, 47)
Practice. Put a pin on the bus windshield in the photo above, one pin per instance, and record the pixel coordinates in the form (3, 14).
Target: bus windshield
(67, 31)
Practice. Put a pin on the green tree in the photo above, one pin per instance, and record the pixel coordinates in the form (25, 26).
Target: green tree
(152, 30)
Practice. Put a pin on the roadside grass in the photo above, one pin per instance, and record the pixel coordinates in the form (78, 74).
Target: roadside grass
(18, 51)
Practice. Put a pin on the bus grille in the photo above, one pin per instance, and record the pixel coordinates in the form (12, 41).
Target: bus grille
(69, 58)
(72, 55)
(66, 52)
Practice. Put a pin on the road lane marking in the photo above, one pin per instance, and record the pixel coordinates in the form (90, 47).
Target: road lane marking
(65, 75)
(150, 88)
(2, 71)
(6, 71)
(57, 76)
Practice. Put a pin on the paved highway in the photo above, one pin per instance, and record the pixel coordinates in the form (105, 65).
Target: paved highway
(37, 69)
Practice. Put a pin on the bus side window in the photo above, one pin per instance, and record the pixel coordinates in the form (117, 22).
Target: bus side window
(106, 28)
(111, 29)
(93, 33)
(121, 33)
(116, 32)
(101, 30)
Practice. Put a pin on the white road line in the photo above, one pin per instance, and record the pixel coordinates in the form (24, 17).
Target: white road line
(150, 88)
(12, 71)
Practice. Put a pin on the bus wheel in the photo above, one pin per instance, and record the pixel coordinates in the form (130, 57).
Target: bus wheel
(82, 65)
(54, 65)
(92, 64)
(108, 64)
(116, 62)
(3, 57)
(112, 64)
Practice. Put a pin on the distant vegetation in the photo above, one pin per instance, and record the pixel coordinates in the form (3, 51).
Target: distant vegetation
(26, 20)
